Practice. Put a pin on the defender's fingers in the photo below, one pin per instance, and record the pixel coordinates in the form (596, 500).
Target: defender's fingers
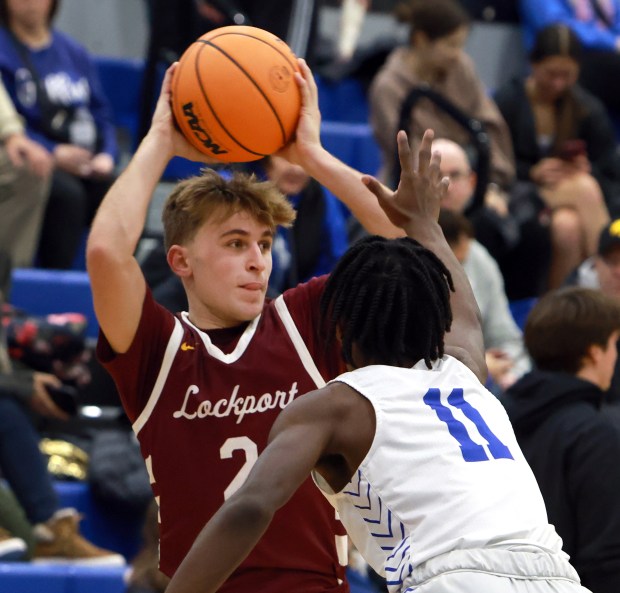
(424, 154)
(434, 171)
(375, 187)
(443, 187)
(404, 153)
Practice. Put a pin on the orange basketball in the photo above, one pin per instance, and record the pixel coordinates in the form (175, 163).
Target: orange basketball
(234, 95)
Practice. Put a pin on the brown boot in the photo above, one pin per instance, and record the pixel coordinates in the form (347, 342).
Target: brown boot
(59, 541)
(11, 548)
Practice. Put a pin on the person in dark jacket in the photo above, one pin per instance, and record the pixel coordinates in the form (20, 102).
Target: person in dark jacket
(564, 145)
(572, 446)
(602, 271)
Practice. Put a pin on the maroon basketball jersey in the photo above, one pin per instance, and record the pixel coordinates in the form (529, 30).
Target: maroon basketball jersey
(204, 417)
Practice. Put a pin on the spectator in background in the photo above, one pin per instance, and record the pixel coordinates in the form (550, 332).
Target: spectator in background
(435, 58)
(25, 168)
(54, 531)
(563, 142)
(505, 353)
(572, 447)
(602, 271)
(597, 24)
(504, 350)
(511, 239)
(55, 88)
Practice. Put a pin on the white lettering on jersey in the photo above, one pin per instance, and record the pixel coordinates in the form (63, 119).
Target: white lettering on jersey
(237, 406)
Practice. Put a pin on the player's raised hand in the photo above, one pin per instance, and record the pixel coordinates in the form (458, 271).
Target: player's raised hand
(307, 135)
(169, 138)
(421, 186)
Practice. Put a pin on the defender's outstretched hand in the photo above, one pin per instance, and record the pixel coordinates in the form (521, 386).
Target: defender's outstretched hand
(420, 189)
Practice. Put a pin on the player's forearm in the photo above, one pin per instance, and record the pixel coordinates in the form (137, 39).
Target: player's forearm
(120, 220)
(467, 321)
(345, 183)
(221, 546)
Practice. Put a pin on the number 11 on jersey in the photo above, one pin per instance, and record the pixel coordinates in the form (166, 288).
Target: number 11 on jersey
(470, 450)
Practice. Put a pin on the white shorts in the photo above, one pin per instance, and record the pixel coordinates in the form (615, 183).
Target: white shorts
(520, 569)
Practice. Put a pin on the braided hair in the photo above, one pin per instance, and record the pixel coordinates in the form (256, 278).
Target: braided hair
(391, 299)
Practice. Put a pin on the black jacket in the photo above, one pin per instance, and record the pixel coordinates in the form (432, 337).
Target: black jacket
(574, 451)
(590, 123)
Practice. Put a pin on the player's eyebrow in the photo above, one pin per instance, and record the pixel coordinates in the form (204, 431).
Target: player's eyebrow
(243, 232)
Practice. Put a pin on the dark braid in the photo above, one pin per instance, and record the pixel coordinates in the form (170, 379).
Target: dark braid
(391, 298)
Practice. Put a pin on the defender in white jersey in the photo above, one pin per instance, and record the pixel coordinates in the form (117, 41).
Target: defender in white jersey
(416, 455)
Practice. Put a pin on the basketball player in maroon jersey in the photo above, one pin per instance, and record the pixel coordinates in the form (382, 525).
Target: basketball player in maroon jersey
(203, 388)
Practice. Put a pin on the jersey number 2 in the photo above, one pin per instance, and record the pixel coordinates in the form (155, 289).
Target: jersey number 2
(470, 450)
(251, 455)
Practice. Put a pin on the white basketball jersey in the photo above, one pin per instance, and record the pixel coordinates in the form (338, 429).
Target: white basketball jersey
(444, 472)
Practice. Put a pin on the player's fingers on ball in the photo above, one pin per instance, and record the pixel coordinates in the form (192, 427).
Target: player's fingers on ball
(168, 78)
(308, 77)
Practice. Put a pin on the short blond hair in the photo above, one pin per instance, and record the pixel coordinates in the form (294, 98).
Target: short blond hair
(209, 196)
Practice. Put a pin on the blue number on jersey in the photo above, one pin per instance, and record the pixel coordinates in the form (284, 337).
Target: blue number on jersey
(470, 450)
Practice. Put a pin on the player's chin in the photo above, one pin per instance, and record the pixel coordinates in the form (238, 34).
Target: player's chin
(251, 306)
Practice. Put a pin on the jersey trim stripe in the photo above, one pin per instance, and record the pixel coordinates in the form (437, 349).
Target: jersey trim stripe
(215, 352)
(298, 342)
(173, 346)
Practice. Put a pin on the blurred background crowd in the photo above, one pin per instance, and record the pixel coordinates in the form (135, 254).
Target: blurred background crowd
(523, 98)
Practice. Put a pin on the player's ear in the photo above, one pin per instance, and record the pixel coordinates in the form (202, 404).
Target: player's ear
(178, 261)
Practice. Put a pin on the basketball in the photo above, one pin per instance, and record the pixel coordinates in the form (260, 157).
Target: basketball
(234, 95)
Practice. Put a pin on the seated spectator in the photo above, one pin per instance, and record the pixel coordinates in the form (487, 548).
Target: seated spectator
(25, 168)
(572, 447)
(564, 145)
(597, 24)
(54, 530)
(505, 353)
(55, 88)
(510, 237)
(435, 58)
(602, 271)
(14, 529)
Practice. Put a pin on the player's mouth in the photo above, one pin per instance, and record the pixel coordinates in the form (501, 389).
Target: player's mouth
(253, 286)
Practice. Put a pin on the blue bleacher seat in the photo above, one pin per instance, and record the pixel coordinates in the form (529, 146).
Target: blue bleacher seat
(41, 292)
(343, 100)
(520, 309)
(23, 577)
(354, 144)
(121, 79)
(179, 168)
